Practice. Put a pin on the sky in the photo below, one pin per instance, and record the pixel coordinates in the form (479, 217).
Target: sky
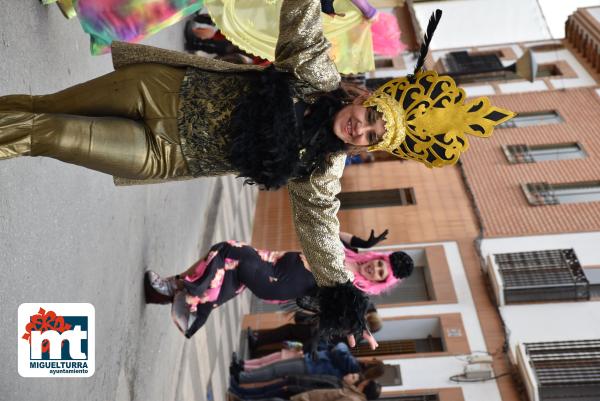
(485, 22)
(557, 11)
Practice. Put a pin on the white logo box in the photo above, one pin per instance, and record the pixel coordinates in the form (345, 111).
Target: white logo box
(77, 363)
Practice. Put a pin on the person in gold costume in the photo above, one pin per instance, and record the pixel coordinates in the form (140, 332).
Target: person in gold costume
(164, 115)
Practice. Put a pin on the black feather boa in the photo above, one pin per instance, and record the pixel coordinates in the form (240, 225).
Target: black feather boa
(271, 143)
(340, 310)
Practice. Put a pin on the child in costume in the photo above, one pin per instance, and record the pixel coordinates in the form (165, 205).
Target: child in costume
(231, 266)
(164, 115)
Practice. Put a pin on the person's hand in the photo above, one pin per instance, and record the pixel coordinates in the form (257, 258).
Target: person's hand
(371, 241)
(367, 336)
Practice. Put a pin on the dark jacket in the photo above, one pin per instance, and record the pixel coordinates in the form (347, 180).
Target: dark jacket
(338, 361)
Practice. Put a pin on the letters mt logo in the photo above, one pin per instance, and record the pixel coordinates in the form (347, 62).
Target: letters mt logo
(56, 340)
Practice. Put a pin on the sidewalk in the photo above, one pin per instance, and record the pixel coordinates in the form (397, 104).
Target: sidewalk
(204, 370)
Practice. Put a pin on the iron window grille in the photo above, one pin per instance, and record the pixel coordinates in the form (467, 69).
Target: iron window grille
(528, 119)
(522, 153)
(543, 193)
(538, 276)
(377, 198)
(540, 193)
(566, 370)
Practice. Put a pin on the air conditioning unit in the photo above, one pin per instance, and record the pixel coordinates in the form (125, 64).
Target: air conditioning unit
(479, 367)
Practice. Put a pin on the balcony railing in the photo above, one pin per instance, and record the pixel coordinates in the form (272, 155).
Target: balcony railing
(539, 276)
(566, 370)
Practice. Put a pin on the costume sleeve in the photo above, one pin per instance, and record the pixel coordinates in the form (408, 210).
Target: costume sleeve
(365, 8)
(314, 210)
(301, 47)
(342, 359)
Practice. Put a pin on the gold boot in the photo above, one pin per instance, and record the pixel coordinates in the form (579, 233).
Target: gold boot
(15, 133)
(67, 8)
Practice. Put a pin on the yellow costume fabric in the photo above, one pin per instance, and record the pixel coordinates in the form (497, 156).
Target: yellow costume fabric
(253, 26)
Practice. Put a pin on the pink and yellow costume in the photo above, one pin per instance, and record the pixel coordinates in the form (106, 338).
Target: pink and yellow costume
(129, 20)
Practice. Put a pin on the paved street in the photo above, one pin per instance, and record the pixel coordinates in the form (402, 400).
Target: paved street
(69, 235)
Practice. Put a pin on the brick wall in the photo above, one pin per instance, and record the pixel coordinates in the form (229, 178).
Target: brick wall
(496, 184)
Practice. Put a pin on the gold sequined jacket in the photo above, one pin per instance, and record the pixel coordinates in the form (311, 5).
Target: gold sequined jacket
(302, 50)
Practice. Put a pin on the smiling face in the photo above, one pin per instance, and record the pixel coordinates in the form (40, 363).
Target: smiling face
(375, 270)
(358, 125)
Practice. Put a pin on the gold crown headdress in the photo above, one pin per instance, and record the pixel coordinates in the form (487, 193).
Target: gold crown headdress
(426, 118)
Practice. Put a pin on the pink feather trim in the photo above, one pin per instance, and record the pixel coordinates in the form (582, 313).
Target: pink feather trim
(386, 35)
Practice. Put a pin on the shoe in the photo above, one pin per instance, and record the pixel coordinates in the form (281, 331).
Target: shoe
(164, 286)
(234, 372)
(236, 366)
(151, 294)
(237, 361)
(252, 339)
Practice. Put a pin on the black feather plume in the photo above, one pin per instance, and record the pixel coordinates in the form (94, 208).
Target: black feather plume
(431, 26)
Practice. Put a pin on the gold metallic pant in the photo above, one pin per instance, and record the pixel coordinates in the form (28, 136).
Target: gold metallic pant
(123, 123)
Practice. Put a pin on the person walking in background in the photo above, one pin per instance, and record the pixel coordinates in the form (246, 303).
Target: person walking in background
(336, 361)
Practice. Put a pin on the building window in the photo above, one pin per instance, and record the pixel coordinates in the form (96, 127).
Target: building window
(472, 67)
(542, 193)
(540, 153)
(405, 336)
(547, 70)
(566, 370)
(554, 275)
(384, 63)
(414, 288)
(391, 376)
(378, 198)
(532, 118)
